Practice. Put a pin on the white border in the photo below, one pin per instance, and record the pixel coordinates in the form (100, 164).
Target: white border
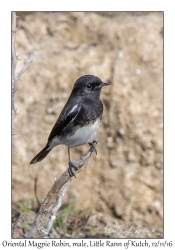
(5, 96)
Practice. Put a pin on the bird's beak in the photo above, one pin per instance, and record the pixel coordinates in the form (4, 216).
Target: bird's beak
(105, 84)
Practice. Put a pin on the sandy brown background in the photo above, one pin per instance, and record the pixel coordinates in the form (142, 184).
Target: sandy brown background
(124, 182)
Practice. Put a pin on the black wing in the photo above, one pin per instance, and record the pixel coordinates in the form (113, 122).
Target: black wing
(63, 124)
(90, 111)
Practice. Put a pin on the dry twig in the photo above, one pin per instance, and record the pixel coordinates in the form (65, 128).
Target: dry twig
(48, 206)
(14, 62)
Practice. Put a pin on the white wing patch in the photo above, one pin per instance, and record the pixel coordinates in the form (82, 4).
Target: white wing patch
(75, 108)
(72, 110)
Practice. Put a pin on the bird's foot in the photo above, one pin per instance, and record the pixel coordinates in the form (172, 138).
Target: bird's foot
(72, 168)
(93, 148)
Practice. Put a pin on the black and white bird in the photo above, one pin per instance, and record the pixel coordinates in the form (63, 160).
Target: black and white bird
(79, 120)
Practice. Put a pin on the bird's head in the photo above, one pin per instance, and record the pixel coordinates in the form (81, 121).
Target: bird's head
(88, 85)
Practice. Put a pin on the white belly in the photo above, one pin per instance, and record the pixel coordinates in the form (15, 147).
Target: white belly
(81, 136)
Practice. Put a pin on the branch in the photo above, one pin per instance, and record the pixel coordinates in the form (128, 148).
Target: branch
(14, 62)
(48, 206)
(55, 209)
(25, 67)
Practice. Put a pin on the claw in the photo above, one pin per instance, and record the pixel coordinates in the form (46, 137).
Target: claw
(70, 169)
(93, 147)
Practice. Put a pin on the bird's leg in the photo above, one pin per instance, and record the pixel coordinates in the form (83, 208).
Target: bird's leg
(91, 144)
(71, 166)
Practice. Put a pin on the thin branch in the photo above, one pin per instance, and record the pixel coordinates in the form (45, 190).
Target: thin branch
(48, 206)
(13, 48)
(14, 63)
(14, 60)
(54, 210)
(25, 67)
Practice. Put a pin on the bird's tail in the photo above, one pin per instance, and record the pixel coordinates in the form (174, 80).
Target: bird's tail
(41, 155)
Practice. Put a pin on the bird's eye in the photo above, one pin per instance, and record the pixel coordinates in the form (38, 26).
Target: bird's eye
(89, 86)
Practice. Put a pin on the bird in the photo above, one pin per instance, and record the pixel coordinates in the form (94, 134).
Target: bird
(79, 120)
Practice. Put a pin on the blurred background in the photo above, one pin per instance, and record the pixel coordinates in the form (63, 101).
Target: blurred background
(122, 187)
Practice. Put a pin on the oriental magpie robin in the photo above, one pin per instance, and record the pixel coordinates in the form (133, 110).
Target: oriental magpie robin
(79, 120)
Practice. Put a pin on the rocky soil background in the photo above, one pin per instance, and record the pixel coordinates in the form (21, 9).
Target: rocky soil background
(123, 183)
